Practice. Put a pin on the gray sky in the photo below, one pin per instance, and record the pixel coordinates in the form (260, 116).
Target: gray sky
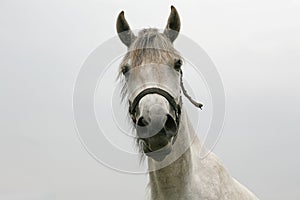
(254, 44)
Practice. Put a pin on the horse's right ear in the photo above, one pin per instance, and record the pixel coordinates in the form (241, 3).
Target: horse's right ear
(124, 31)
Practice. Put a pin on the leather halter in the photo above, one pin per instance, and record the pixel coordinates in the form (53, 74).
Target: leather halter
(156, 90)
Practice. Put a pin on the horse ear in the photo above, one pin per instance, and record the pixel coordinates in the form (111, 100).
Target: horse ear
(173, 27)
(124, 31)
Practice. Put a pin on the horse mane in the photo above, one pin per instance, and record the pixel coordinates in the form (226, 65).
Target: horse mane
(150, 46)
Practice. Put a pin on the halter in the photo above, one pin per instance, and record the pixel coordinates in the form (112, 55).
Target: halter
(155, 90)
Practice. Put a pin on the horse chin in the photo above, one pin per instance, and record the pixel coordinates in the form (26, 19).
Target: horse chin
(160, 145)
(160, 154)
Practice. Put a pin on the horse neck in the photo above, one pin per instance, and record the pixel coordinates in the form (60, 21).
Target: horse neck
(178, 175)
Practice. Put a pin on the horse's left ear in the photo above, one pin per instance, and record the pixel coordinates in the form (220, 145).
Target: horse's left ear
(173, 27)
(124, 31)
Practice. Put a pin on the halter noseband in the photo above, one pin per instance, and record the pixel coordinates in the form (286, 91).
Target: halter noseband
(155, 90)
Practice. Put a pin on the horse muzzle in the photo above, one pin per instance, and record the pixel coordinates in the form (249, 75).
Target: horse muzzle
(157, 131)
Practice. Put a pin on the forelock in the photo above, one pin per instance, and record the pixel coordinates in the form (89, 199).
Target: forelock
(150, 46)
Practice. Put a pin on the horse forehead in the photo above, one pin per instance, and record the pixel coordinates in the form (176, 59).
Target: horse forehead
(159, 73)
(154, 75)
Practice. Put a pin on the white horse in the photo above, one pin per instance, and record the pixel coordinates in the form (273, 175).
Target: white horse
(151, 70)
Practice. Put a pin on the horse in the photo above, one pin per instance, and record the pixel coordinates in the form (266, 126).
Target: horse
(151, 72)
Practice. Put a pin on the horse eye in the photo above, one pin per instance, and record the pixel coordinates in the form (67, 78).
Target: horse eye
(177, 64)
(125, 69)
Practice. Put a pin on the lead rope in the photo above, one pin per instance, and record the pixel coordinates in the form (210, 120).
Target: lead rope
(195, 103)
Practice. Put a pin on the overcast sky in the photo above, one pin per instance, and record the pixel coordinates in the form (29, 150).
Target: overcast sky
(253, 43)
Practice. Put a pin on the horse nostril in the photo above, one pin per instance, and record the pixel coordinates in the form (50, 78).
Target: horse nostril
(142, 122)
(170, 126)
